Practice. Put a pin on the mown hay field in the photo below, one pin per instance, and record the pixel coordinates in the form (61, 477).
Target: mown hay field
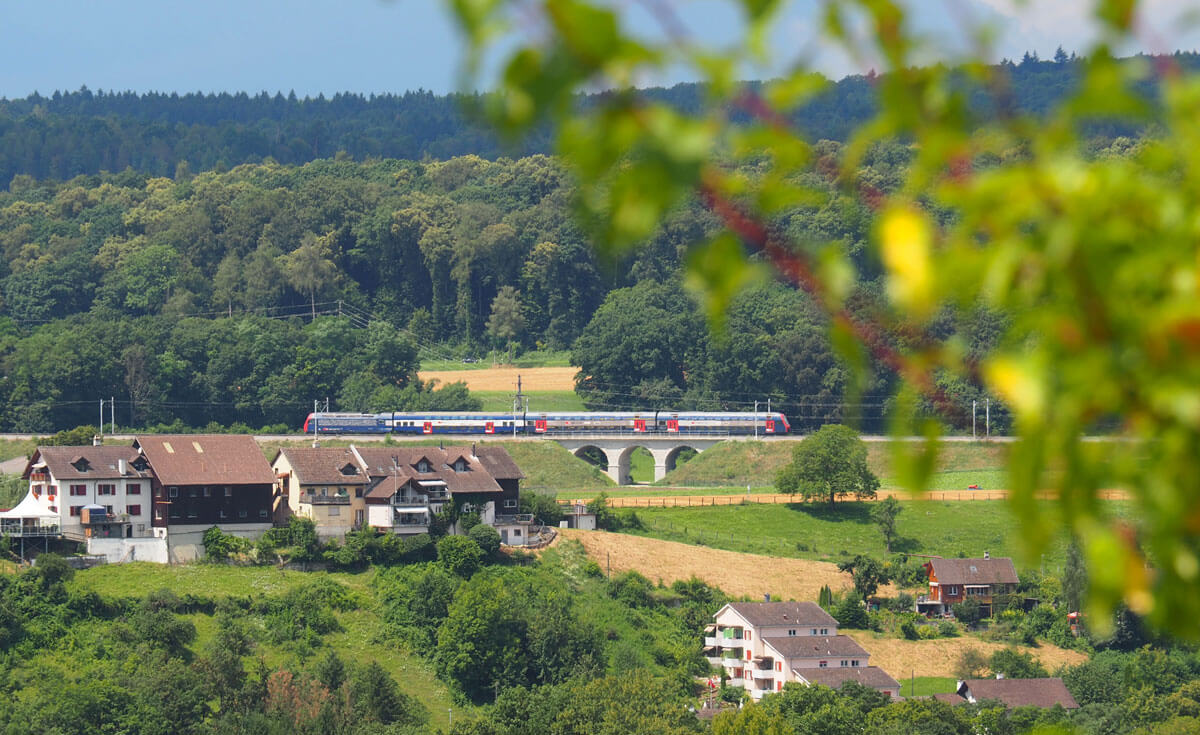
(505, 378)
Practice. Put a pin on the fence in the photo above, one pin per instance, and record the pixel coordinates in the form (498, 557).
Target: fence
(695, 501)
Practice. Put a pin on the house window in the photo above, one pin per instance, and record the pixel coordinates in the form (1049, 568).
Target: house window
(52, 491)
(191, 492)
(262, 513)
(823, 665)
(106, 489)
(158, 514)
(158, 492)
(78, 490)
(228, 491)
(333, 511)
(814, 631)
(108, 510)
(75, 509)
(207, 491)
(792, 631)
(423, 466)
(241, 514)
(460, 466)
(358, 492)
(845, 663)
(133, 488)
(191, 512)
(854, 662)
(824, 631)
(134, 510)
(223, 513)
(174, 512)
(510, 503)
(173, 491)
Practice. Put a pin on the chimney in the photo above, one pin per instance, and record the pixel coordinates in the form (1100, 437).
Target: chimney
(999, 676)
(122, 467)
(472, 449)
(97, 440)
(986, 555)
(767, 597)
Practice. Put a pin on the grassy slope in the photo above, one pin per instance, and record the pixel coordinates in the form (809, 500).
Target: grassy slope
(547, 400)
(358, 642)
(547, 466)
(923, 686)
(932, 527)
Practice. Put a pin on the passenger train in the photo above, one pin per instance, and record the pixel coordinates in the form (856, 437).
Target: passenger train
(474, 422)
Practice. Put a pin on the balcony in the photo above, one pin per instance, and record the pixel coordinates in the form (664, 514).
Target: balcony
(738, 682)
(760, 674)
(714, 640)
(317, 499)
(512, 518)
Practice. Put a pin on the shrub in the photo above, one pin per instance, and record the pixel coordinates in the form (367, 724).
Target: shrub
(459, 555)
(947, 629)
(909, 630)
(901, 603)
(968, 612)
(927, 632)
(220, 546)
(850, 613)
(488, 539)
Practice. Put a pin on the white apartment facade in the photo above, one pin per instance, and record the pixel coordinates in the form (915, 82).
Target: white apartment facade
(763, 645)
(96, 492)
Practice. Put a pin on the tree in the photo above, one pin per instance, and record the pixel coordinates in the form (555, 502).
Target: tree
(884, 514)
(850, 613)
(309, 269)
(829, 464)
(507, 323)
(867, 574)
(949, 232)
(488, 539)
(459, 555)
(1016, 665)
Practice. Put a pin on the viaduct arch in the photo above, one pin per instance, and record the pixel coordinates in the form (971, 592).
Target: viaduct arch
(617, 450)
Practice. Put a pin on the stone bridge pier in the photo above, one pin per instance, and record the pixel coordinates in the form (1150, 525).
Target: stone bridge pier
(617, 450)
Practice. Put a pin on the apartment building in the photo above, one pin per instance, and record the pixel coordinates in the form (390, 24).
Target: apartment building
(96, 491)
(764, 645)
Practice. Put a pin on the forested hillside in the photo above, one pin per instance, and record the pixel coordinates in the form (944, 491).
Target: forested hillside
(69, 133)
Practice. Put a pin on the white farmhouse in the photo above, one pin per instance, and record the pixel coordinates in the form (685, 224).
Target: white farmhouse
(97, 492)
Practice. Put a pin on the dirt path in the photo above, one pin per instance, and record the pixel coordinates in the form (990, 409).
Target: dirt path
(752, 576)
(532, 379)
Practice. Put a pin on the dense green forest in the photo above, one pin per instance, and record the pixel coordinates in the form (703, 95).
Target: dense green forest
(69, 133)
(242, 296)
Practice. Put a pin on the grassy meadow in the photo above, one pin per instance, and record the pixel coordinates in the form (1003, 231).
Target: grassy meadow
(818, 531)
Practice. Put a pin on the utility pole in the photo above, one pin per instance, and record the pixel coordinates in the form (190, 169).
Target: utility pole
(112, 413)
(988, 417)
(973, 419)
(101, 424)
(756, 419)
(519, 405)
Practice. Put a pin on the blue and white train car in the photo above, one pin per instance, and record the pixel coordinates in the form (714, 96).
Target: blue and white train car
(596, 422)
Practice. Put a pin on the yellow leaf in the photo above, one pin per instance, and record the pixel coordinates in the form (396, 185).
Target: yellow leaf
(906, 255)
(1019, 383)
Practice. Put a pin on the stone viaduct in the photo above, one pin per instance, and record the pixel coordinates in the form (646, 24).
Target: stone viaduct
(617, 449)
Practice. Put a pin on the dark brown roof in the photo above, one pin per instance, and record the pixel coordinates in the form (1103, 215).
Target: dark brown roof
(324, 465)
(952, 698)
(834, 677)
(206, 459)
(1020, 692)
(817, 646)
(498, 463)
(391, 467)
(783, 613)
(974, 571)
(102, 462)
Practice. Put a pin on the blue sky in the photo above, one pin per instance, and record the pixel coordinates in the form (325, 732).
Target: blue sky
(323, 46)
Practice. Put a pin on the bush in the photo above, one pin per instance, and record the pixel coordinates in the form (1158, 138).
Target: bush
(968, 612)
(220, 546)
(488, 539)
(901, 603)
(927, 632)
(850, 613)
(908, 630)
(947, 629)
(459, 555)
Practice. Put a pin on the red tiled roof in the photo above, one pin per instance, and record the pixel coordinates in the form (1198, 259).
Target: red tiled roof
(400, 464)
(817, 646)
(102, 462)
(1020, 692)
(974, 571)
(324, 465)
(759, 614)
(869, 676)
(206, 459)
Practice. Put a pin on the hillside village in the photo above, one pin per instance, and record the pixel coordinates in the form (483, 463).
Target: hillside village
(159, 499)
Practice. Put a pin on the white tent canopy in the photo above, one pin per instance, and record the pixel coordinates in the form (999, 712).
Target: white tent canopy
(30, 507)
